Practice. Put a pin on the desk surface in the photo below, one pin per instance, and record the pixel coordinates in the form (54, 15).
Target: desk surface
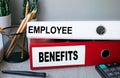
(71, 72)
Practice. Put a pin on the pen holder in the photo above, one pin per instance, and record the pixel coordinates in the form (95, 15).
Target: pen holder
(20, 51)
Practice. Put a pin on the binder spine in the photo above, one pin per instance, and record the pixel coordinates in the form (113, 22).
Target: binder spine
(88, 53)
(97, 30)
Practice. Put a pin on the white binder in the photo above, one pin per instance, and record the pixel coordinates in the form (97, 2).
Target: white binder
(94, 30)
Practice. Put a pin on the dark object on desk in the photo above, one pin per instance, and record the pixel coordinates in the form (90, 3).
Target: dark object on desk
(111, 70)
(25, 73)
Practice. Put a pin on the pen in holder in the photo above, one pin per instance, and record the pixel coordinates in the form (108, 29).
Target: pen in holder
(20, 51)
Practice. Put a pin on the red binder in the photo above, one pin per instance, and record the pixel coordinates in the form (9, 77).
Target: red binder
(73, 53)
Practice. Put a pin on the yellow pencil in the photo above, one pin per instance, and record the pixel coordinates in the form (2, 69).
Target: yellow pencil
(23, 34)
(27, 9)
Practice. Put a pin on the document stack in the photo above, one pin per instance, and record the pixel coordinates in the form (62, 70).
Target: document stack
(73, 43)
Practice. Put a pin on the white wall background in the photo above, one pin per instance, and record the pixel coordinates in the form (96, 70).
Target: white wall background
(60, 10)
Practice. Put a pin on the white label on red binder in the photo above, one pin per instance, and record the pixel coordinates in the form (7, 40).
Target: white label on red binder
(58, 56)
